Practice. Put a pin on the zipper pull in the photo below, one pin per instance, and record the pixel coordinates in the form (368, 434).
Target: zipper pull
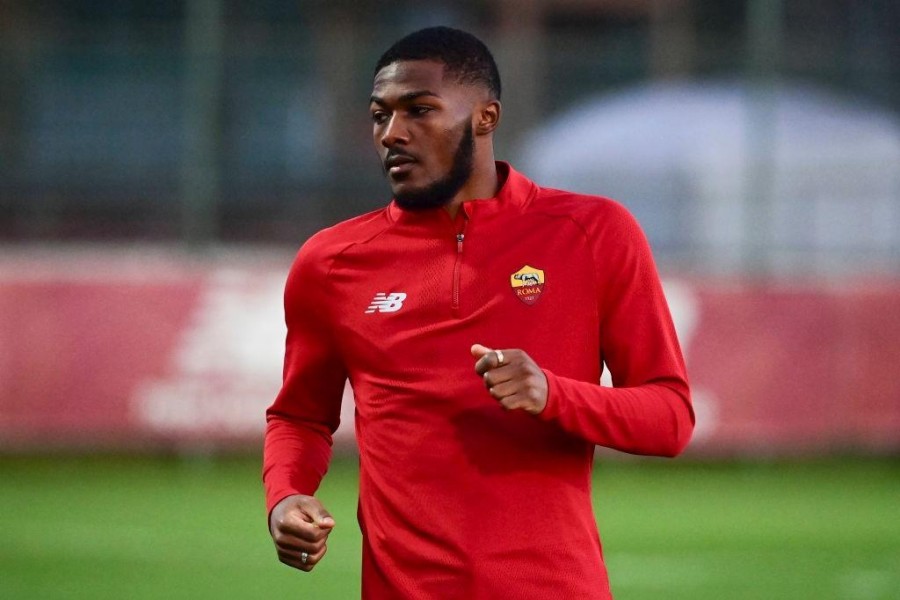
(459, 241)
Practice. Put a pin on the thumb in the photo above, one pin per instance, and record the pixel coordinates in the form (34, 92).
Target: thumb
(322, 519)
(313, 512)
(478, 350)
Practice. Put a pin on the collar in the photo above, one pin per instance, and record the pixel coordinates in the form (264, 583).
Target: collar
(515, 193)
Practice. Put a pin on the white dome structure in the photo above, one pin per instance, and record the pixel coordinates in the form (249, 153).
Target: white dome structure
(724, 174)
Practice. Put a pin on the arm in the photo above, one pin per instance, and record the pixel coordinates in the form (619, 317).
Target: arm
(305, 414)
(649, 410)
(650, 419)
(653, 419)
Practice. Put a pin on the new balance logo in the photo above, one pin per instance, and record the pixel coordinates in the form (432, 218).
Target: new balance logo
(386, 303)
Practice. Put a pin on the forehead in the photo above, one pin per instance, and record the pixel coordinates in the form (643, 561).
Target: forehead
(407, 76)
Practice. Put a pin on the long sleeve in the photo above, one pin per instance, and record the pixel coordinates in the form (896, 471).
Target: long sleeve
(648, 411)
(306, 412)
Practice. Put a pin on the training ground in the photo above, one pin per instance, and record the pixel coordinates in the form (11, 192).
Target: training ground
(143, 528)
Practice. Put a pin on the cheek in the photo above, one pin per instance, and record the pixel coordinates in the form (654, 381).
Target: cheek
(446, 145)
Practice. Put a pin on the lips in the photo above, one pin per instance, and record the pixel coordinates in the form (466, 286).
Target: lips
(398, 163)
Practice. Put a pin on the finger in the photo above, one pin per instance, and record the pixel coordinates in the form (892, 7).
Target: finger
(321, 518)
(296, 546)
(498, 375)
(489, 359)
(504, 389)
(478, 350)
(308, 512)
(298, 527)
(315, 557)
(514, 401)
(296, 559)
(290, 543)
(523, 401)
(315, 513)
(292, 559)
(483, 354)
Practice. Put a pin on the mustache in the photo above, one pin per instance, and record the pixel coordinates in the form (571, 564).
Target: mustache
(393, 154)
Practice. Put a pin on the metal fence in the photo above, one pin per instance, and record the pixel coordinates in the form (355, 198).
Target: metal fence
(203, 121)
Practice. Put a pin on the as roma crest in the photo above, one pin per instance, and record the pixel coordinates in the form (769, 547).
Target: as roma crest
(528, 284)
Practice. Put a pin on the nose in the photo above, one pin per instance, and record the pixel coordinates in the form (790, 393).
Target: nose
(394, 132)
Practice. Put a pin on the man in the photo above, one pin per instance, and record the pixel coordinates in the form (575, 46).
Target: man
(472, 316)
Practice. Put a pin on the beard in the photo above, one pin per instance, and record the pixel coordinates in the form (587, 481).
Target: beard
(442, 191)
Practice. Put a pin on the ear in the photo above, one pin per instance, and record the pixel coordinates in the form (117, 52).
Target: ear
(487, 118)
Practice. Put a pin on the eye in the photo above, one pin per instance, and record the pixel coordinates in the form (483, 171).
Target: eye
(419, 110)
(379, 116)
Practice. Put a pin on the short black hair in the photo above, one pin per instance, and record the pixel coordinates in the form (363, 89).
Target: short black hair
(464, 55)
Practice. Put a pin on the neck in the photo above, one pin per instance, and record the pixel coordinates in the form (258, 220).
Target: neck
(482, 184)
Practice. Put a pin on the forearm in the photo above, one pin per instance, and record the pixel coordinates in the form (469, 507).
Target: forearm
(295, 457)
(652, 419)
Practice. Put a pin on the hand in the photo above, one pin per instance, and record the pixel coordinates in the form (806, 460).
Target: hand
(300, 524)
(518, 384)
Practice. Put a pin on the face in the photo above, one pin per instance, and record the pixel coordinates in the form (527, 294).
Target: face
(422, 128)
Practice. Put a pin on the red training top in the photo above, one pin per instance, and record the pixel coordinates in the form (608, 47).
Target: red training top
(460, 498)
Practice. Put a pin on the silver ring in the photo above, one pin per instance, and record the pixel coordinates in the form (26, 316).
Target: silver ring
(499, 354)
(304, 556)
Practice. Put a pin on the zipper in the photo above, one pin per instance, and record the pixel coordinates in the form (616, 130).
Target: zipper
(460, 237)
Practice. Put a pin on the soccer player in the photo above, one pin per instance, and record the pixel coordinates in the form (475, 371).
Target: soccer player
(472, 316)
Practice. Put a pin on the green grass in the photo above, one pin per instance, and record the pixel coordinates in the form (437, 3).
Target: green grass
(167, 528)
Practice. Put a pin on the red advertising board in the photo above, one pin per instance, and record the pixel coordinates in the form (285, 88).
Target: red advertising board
(154, 349)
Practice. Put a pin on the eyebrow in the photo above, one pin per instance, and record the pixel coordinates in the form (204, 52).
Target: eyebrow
(407, 97)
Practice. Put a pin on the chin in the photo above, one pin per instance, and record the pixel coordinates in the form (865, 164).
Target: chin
(406, 187)
(405, 181)
(401, 190)
(423, 198)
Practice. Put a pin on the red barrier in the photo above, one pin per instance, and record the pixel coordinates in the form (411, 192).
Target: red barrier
(115, 350)
(797, 370)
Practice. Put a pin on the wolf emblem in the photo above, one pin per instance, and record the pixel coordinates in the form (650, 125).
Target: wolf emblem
(528, 278)
(527, 284)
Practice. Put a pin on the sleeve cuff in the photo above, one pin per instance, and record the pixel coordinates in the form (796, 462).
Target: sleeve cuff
(551, 409)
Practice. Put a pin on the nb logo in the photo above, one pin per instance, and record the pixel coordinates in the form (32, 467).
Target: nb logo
(386, 303)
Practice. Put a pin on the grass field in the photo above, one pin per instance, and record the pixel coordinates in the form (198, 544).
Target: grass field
(174, 528)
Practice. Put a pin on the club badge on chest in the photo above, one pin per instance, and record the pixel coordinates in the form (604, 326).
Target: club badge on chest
(528, 284)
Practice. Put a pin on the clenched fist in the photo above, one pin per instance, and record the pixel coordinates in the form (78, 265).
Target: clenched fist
(300, 526)
(512, 378)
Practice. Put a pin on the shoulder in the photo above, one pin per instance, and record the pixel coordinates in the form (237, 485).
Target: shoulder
(330, 242)
(596, 215)
(317, 254)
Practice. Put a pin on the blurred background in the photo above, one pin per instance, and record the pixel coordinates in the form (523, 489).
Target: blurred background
(161, 162)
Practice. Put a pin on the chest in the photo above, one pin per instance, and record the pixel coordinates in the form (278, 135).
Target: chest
(423, 300)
